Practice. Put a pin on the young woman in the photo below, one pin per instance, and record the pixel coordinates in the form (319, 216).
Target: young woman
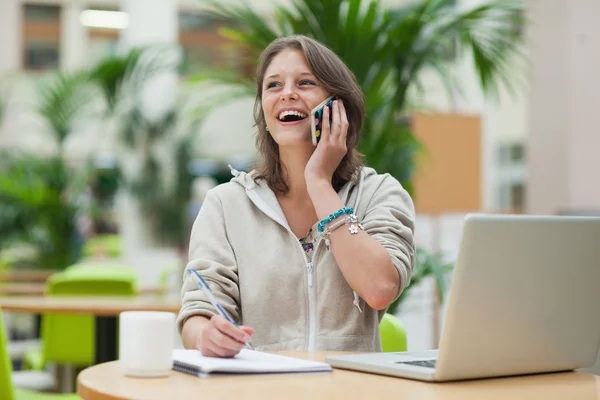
(311, 247)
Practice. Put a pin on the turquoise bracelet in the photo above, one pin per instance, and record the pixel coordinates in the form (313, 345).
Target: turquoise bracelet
(338, 213)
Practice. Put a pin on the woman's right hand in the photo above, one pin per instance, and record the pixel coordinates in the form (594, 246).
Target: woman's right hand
(221, 338)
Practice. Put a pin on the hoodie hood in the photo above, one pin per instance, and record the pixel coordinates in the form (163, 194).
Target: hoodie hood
(261, 189)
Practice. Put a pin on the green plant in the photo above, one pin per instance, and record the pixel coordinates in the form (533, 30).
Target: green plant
(427, 264)
(64, 100)
(38, 207)
(109, 74)
(40, 196)
(387, 49)
(155, 147)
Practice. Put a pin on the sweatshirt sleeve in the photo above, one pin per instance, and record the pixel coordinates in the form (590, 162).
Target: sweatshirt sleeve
(210, 253)
(390, 219)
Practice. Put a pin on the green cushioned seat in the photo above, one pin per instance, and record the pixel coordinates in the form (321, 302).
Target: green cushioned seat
(393, 334)
(7, 390)
(70, 339)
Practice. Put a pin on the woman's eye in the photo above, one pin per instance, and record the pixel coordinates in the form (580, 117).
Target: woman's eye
(307, 82)
(271, 85)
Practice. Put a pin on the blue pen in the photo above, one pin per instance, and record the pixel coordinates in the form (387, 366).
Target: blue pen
(206, 289)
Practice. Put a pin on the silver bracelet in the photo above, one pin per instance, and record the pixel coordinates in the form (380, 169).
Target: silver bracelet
(354, 227)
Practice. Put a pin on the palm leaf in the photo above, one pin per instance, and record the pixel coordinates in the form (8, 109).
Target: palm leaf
(233, 79)
(151, 144)
(127, 93)
(63, 100)
(387, 50)
(427, 264)
(425, 33)
(110, 72)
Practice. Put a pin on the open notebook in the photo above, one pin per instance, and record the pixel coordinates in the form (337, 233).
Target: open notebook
(246, 362)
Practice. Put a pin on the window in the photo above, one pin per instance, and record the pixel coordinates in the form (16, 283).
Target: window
(510, 171)
(41, 36)
(41, 13)
(196, 21)
(100, 47)
(517, 196)
(195, 58)
(517, 153)
(41, 55)
(202, 44)
(511, 154)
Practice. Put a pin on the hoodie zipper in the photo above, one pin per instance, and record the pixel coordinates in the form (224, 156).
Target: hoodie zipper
(312, 318)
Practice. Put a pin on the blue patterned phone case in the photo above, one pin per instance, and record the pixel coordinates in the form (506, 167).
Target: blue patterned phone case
(316, 119)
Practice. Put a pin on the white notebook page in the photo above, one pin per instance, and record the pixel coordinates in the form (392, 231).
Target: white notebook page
(248, 361)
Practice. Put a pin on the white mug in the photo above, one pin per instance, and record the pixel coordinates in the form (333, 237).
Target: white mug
(146, 341)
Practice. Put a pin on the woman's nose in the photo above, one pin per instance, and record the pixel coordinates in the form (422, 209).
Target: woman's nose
(288, 93)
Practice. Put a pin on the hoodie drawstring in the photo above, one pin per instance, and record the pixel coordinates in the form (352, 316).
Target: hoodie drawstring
(234, 171)
(356, 301)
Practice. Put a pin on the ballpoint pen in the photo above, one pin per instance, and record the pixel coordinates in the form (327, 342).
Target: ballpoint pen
(206, 289)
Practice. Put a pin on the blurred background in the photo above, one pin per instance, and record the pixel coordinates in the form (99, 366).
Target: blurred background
(117, 116)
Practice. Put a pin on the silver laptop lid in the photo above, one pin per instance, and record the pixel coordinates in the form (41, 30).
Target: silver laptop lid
(525, 297)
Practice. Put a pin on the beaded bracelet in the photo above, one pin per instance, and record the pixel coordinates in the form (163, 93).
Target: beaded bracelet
(353, 228)
(331, 217)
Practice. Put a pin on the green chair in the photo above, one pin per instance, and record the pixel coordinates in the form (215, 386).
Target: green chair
(108, 245)
(7, 389)
(70, 339)
(393, 334)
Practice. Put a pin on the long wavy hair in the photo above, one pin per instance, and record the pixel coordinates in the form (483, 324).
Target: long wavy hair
(337, 78)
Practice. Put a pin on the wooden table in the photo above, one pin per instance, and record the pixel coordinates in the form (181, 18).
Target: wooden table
(105, 309)
(39, 289)
(26, 275)
(103, 306)
(22, 289)
(106, 382)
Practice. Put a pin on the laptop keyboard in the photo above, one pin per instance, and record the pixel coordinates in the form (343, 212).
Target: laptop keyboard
(419, 363)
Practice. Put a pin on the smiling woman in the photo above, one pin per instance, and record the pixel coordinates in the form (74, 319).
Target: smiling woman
(311, 247)
(299, 62)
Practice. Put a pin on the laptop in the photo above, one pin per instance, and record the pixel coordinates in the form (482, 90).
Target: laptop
(524, 300)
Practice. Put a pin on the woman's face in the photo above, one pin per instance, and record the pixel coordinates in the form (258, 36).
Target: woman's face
(290, 92)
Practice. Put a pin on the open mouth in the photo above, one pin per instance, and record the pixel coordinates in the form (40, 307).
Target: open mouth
(291, 116)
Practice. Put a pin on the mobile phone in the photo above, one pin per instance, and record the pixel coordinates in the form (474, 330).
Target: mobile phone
(316, 119)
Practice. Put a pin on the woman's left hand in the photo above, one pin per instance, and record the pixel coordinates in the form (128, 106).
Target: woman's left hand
(332, 146)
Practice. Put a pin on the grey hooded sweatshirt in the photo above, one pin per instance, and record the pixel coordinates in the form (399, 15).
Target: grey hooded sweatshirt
(256, 267)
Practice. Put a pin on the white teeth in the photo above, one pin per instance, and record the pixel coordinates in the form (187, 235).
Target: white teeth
(284, 114)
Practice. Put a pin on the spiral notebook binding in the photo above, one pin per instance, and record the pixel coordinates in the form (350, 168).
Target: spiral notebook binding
(188, 368)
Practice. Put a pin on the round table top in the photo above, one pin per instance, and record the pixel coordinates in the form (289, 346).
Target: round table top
(103, 306)
(106, 382)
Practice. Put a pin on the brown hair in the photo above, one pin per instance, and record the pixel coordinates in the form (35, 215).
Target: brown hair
(337, 78)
